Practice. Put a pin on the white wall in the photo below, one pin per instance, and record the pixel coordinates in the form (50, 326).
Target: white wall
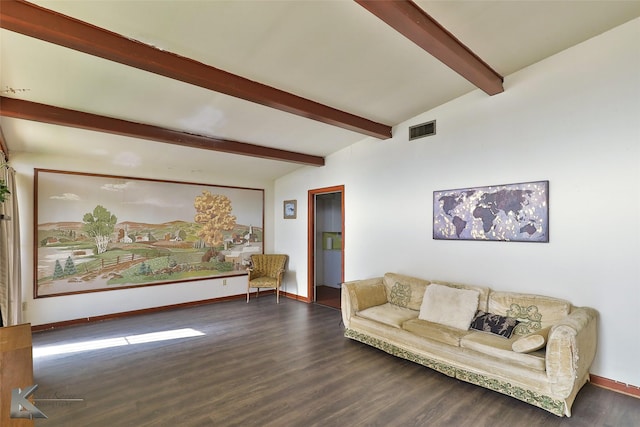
(57, 309)
(572, 119)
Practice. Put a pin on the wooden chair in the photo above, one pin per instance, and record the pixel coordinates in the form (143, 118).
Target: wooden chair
(266, 271)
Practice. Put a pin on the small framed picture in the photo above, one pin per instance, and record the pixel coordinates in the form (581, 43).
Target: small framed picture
(290, 209)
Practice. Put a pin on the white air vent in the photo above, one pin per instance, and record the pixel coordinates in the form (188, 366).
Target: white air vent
(422, 130)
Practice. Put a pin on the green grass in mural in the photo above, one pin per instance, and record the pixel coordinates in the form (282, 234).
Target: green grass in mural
(177, 266)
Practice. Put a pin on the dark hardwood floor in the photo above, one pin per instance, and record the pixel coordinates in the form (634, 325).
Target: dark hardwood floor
(267, 364)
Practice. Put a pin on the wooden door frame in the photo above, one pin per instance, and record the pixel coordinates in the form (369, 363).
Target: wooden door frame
(311, 238)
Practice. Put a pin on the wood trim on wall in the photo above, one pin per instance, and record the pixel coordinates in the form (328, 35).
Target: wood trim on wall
(617, 386)
(311, 235)
(295, 297)
(45, 326)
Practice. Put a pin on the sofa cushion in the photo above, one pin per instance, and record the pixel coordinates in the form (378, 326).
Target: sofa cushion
(531, 342)
(417, 287)
(494, 323)
(434, 331)
(500, 348)
(388, 314)
(449, 306)
(534, 312)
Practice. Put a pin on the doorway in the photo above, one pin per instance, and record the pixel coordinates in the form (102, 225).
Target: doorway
(326, 245)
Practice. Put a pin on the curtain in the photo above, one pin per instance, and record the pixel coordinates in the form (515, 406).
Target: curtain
(10, 283)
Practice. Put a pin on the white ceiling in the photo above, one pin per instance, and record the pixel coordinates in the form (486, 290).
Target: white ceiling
(333, 52)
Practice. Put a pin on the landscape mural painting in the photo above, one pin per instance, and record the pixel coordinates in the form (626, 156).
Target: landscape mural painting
(511, 212)
(99, 232)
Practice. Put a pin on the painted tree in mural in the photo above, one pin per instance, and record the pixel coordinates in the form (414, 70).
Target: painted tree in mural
(100, 225)
(58, 273)
(69, 267)
(213, 211)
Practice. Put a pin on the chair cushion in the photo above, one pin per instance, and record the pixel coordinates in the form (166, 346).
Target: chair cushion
(263, 282)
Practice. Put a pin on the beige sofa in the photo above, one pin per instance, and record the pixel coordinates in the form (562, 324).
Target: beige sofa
(544, 362)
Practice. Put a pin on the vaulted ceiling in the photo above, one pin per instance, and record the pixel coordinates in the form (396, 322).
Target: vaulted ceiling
(259, 87)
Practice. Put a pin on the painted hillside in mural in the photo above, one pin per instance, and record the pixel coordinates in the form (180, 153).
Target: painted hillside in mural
(106, 237)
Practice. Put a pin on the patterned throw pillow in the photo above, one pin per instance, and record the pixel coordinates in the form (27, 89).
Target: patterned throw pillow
(494, 323)
(400, 294)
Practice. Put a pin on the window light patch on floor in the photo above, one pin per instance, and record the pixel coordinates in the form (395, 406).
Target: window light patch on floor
(50, 350)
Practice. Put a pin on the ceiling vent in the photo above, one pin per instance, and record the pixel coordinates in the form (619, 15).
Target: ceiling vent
(422, 130)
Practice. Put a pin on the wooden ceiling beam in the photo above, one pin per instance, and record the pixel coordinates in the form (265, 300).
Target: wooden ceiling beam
(27, 110)
(44, 24)
(409, 20)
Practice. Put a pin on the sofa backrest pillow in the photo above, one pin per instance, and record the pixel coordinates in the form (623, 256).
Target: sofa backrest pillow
(534, 312)
(405, 291)
(449, 306)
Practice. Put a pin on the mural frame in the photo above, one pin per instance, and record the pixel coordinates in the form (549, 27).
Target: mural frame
(95, 232)
(506, 213)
